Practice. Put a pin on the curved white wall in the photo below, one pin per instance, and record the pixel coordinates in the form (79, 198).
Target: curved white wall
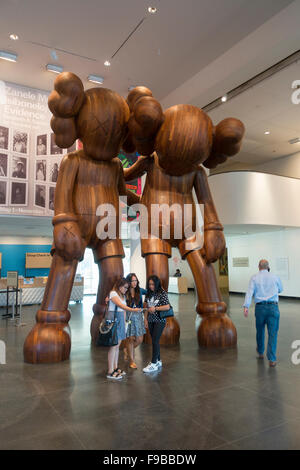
(245, 198)
(256, 198)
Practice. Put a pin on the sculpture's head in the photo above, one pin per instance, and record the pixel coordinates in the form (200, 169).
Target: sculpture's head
(98, 117)
(183, 136)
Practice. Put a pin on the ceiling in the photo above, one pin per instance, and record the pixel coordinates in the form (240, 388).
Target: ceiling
(188, 52)
(265, 107)
(168, 48)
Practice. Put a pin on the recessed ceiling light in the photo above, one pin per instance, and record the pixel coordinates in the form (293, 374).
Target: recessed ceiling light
(8, 56)
(95, 79)
(14, 37)
(107, 63)
(224, 98)
(295, 141)
(152, 10)
(54, 68)
(267, 132)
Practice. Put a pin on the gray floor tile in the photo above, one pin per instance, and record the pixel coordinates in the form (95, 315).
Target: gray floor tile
(200, 399)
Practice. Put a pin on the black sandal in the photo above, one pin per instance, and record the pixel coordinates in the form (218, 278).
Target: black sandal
(120, 372)
(113, 376)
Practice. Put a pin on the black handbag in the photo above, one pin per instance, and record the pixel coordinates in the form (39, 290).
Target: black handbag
(166, 313)
(108, 330)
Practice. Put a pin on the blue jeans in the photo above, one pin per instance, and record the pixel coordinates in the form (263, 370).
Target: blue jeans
(267, 314)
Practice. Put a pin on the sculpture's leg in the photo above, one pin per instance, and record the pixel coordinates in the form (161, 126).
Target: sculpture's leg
(50, 339)
(110, 269)
(216, 328)
(158, 264)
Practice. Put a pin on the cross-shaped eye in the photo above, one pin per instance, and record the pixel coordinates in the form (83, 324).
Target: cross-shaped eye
(69, 231)
(106, 126)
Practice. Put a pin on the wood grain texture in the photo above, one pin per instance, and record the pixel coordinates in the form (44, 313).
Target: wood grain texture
(184, 140)
(87, 178)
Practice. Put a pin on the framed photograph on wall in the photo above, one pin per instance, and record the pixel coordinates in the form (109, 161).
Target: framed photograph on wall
(3, 165)
(19, 167)
(4, 134)
(3, 193)
(51, 198)
(18, 193)
(54, 149)
(53, 170)
(40, 195)
(20, 142)
(40, 170)
(41, 144)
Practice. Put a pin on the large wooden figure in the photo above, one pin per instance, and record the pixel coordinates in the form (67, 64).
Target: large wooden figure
(175, 143)
(87, 178)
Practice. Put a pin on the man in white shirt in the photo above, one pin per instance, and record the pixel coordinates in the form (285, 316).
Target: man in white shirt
(265, 288)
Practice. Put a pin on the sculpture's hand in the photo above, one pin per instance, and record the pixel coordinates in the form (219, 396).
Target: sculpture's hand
(214, 245)
(68, 241)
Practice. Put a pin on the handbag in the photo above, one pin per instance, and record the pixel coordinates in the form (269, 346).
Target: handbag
(108, 330)
(166, 313)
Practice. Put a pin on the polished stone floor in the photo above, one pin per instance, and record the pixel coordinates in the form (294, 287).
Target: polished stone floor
(199, 400)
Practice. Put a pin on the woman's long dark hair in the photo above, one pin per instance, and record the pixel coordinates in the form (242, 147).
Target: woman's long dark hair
(122, 281)
(157, 285)
(137, 292)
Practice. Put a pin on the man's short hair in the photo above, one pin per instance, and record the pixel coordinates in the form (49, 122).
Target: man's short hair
(263, 264)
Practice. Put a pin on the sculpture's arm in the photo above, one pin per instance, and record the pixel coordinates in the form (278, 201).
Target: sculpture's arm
(132, 198)
(204, 197)
(214, 241)
(138, 169)
(67, 236)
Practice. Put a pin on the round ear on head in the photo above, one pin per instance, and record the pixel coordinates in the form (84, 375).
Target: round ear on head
(228, 136)
(137, 93)
(65, 102)
(145, 119)
(68, 95)
(64, 130)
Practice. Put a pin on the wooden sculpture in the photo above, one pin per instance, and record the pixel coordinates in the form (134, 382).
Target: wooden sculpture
(87, 178)
(175, 144)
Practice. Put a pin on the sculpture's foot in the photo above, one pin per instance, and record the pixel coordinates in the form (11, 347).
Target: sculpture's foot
(99, 311)
(170, 334)
(48, 342)
(217, 331)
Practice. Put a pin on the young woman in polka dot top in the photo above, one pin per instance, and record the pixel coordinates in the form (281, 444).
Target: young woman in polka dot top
(156, 300)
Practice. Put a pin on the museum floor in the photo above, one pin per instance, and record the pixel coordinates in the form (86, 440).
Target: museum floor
(200, 399)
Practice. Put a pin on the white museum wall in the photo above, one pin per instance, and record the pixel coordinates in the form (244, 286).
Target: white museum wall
(271, 245)
(285, 166)
(256, 198)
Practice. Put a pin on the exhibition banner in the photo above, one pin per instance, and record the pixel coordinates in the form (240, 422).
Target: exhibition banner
(29, 157)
